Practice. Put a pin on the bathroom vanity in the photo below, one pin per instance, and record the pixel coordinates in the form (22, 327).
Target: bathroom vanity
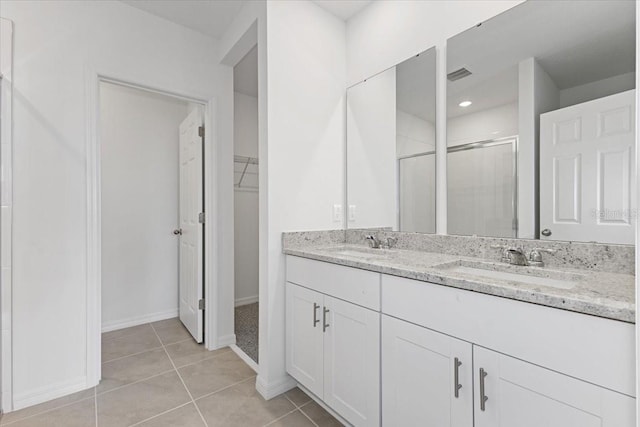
(406, 337)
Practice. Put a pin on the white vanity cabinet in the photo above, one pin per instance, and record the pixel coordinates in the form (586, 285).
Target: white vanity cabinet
(332, 345)
(390, 351)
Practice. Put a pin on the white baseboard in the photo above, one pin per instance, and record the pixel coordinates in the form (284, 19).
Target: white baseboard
(49, 392)
(138, 320)
(224, 341)
(274, 388)
(246, 300)
(242, 355)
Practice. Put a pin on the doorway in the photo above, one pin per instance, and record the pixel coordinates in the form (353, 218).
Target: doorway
(246, 196)
(152, 245)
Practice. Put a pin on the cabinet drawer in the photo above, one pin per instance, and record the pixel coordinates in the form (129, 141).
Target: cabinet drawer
(360, 287)
(600, 351)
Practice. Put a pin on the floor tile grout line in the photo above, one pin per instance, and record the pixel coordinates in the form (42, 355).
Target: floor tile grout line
(225, 388)
(133, 354)
(146, 351)
(181, 380)
(306, 415)
(161, 413)
(95, 403)
(281, 417)
(122, 336)
(45, 411)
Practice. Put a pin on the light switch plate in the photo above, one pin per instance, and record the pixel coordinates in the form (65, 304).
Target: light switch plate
(337, 213)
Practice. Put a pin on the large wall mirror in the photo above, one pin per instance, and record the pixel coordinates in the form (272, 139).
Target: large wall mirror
(540, 123)
(391, 148)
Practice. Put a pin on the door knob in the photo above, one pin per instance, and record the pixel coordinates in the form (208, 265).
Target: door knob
(546, 232)
(178, 231)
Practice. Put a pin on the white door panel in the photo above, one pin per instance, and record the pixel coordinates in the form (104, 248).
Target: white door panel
(352, 361)
(520, 394)
(419, 377)
(191, 239)
(587, 186)
(304, 357)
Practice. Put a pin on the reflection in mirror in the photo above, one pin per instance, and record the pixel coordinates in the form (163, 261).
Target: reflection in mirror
(390, 148)
(540, 123)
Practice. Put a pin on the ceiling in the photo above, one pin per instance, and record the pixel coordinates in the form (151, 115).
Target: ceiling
(575, 42)
(245, 74)
(206, 16)
(343, 9)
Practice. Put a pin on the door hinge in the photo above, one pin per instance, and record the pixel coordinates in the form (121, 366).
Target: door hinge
(201, 131)
(201, 304)
(201, 217)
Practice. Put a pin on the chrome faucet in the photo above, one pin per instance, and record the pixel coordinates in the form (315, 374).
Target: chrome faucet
(376, 243)
(373, 241)
(515, 255)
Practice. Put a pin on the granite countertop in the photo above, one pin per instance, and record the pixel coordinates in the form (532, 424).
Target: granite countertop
(602, 294)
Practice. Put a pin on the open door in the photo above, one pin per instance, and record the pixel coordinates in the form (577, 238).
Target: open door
(191, 230)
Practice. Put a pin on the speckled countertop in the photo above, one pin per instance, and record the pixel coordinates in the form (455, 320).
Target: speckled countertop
(597, 293)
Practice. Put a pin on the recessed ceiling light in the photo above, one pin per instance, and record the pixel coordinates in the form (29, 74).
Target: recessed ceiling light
(465, 103)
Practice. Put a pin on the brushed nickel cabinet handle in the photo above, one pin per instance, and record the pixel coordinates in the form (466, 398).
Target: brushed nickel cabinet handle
(325, 325)
(483, 396)
(456, 377)
(315, 314)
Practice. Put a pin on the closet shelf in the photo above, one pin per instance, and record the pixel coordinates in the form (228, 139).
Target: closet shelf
(249, 167)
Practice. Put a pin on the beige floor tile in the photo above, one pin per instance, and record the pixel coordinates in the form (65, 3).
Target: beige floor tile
(242, 405)
(187, 352)
(133, 368)
(294, 419)
(214, 374)
(167, 322)
(126, 331)
(137, 342)
(297, 396)
(319, 416)
(142, 400)
(172, 334)
(79, 414)
(185, 416)
(47, 406)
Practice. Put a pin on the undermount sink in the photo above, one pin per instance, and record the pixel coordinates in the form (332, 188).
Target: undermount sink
(514, 274)
(360, 252)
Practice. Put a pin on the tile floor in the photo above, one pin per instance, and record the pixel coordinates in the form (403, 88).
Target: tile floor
(155, 375)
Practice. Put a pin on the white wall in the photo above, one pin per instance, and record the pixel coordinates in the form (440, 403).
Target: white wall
(139, 165)
(57, 47)
(245, 139)
(537, 94)
(6, 68)
(371, 151)
(305, 162)
(597, 89)
(387, 32)
(492, 123)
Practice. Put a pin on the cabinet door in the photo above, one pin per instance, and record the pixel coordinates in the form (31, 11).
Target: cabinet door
(352, 362)
(520, 394)
(419, 377)
(304, 337)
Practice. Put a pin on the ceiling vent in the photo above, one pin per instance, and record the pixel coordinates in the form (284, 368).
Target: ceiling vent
(458, 74)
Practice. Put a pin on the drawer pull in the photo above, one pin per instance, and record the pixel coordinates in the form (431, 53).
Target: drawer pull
(456, 378)
(325, 325)
(483, 397)
(315, 314)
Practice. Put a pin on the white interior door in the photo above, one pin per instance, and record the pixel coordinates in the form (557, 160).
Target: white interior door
(587, 180)
(191, 237)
